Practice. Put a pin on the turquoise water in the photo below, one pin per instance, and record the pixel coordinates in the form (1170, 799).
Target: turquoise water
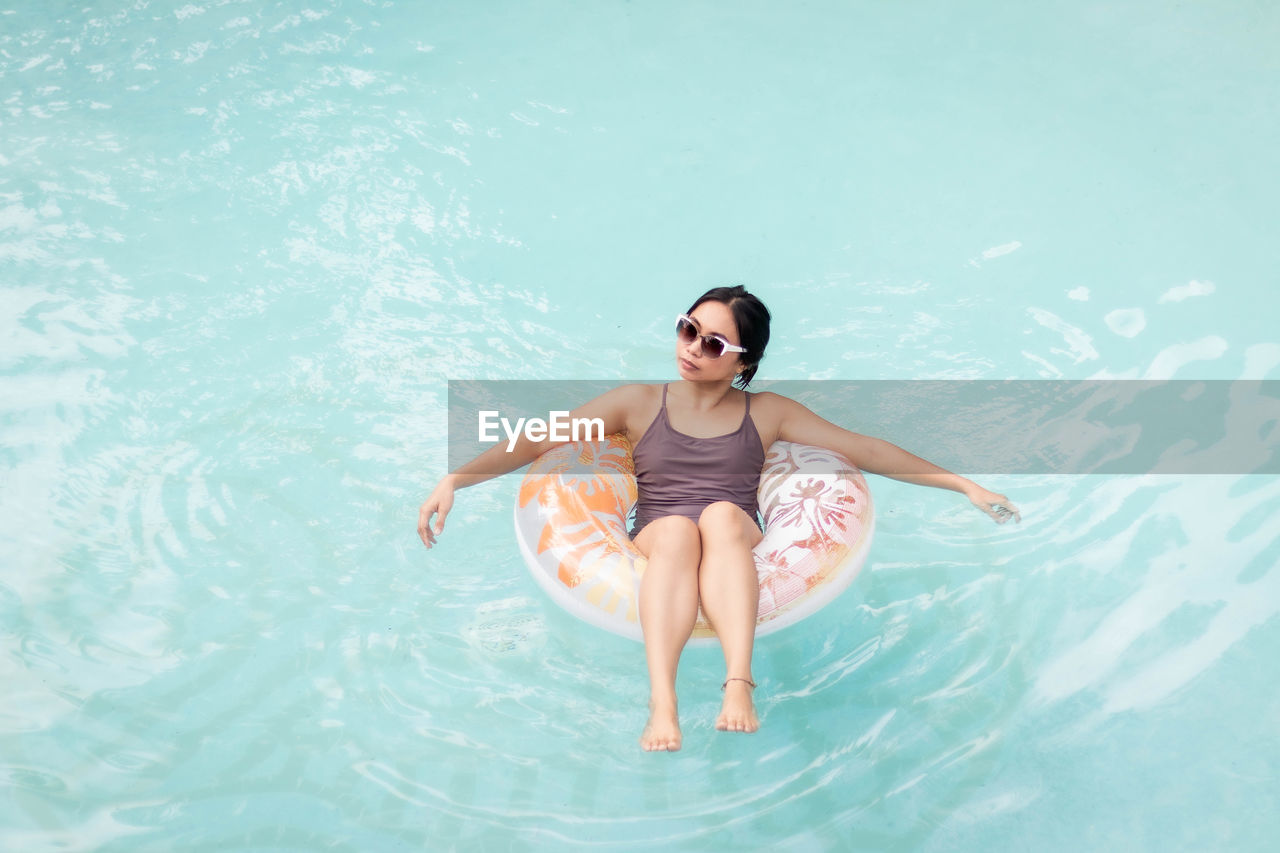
(243, 247)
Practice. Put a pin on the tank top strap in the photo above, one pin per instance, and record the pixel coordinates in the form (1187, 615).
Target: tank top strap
(664, 395)
(748, 393)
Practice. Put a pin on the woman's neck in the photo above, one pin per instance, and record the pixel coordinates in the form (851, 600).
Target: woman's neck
(704, 396)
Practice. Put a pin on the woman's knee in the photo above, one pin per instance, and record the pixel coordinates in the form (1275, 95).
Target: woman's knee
(671, 536)
(724, 520)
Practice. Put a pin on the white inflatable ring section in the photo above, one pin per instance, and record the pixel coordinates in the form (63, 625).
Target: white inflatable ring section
(571, 523)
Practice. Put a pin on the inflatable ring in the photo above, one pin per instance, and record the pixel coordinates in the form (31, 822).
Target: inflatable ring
(571, 523)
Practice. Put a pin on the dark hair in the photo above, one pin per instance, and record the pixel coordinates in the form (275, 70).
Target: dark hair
(752, 320)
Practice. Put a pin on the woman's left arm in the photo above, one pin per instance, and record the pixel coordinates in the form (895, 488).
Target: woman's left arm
(876, 456)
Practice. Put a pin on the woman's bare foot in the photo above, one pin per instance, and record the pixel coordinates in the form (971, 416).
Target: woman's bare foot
(737, 712)
(662, 732)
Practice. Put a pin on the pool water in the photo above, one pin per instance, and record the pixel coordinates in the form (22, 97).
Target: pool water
(245, 245)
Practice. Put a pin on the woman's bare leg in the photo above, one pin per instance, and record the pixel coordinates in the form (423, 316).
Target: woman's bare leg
(730, 594)
(668, 611)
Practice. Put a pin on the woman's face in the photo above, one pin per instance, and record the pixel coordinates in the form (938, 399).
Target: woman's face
(711, 318)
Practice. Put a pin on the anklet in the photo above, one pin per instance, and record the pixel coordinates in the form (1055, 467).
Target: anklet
(735, 678)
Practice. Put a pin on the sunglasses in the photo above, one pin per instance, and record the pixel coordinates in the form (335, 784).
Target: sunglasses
(713, 346)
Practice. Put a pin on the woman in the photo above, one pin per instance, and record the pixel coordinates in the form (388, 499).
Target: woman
(699, 446)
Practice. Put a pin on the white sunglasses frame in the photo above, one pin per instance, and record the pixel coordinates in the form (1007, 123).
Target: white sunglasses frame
(728, 347)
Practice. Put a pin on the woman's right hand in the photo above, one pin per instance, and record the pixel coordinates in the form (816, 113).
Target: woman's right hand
(440, 502)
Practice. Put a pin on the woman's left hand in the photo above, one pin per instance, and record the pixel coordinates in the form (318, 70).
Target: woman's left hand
(997, 506)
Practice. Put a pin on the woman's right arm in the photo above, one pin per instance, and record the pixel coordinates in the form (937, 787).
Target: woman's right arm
(610, 407)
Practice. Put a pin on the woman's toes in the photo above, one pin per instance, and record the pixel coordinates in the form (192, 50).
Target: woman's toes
(662, 732)
(738, 713)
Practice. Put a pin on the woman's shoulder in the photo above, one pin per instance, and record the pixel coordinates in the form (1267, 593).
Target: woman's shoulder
(638, 392)
(623, 408)
(770, 400)
(638, 400)
(769, 410)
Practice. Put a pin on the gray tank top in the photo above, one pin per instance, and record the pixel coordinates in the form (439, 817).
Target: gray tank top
(677, 474)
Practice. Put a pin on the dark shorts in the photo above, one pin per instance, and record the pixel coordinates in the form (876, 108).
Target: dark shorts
(691, 513)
